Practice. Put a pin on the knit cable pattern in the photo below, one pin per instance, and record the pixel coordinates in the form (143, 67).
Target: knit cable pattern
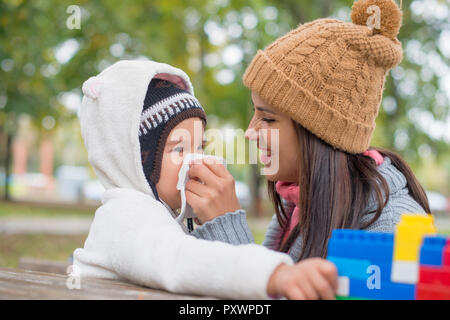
(329, 75)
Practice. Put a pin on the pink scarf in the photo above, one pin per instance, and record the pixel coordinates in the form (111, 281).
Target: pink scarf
(289, 192)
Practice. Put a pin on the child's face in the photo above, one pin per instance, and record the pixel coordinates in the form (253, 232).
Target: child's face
(186, 137)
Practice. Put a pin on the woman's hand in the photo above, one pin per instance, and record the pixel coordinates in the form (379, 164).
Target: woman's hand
(313, 278)
(210, 190)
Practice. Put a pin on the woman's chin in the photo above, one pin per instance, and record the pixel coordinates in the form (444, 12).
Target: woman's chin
(272, 178)
(278, 175)
(269, 171)
(269, 174)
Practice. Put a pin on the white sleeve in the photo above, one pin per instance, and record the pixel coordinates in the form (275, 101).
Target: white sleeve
(149, 248)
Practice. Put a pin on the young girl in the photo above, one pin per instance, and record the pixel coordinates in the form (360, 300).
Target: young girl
(320, 86)
(138, 121)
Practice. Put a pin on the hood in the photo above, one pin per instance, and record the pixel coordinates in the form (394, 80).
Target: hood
(110, 117)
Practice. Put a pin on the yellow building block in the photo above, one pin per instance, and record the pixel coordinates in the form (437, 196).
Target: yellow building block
(409, 234)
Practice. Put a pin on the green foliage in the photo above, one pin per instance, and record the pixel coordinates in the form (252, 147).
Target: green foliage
(39, 246)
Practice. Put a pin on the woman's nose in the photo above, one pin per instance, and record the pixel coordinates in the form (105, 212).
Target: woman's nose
(251, 133)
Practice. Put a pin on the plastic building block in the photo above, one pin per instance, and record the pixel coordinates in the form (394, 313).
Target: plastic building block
(426, 291)
(432, 250)
(350, 298)
(408, 236)
(434, 282)
(359, 244)
(446, 254)
(435, 275)
(405, 272)
(412, 263)
(343, 286)
(385, 269)
(387, 290)
(352, 268)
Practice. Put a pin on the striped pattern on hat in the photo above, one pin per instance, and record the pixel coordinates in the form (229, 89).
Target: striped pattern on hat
(162, 111)
(165, 106)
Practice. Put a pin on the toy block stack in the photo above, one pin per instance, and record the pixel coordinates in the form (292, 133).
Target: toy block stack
(412, 263)
(364, 263)
(408, 239)
(434, 271)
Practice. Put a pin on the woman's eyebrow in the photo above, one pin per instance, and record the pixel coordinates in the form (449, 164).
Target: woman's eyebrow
(265, 110)
(262, 109)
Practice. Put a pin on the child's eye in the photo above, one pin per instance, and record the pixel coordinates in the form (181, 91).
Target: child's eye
(178, 149)
(268, 120)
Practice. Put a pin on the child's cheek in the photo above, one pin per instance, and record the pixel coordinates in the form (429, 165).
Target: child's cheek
(177, 192)
(167, 184)
(173, 180)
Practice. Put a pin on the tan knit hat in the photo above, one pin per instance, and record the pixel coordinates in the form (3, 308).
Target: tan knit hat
(328, 75)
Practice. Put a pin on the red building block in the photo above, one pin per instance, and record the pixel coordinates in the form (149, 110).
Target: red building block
(446, 258)
(425, 291)
(434, 281)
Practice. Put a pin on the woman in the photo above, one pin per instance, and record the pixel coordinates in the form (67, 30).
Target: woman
(320, 86)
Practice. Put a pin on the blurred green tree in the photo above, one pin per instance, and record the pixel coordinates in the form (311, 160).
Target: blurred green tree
(42, 60)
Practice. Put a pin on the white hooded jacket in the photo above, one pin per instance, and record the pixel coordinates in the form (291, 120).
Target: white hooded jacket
(135, 237)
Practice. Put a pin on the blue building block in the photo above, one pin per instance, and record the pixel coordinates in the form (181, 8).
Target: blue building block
(352, 268)
(360, 244)
(432, 250)
(385, 269)
(387, 291)
(358, 268)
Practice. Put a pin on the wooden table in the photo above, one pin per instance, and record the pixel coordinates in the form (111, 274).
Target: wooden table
(25, 284)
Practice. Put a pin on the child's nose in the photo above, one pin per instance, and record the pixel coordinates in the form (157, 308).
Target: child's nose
(197, 160)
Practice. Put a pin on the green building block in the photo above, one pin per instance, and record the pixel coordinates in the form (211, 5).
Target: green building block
(350, 298)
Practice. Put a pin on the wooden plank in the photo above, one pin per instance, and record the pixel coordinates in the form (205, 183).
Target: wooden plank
(89, 206)
(58, 267)
(25, 284)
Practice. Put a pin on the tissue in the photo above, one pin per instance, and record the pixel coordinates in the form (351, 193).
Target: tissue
(183, 178)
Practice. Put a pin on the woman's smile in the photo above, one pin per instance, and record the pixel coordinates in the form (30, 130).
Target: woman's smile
(266, 156)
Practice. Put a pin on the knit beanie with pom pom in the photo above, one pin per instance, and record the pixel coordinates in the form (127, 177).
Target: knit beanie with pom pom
(328, 75)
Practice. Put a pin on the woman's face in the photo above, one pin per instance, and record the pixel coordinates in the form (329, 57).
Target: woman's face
(186, 137)
(280, 151)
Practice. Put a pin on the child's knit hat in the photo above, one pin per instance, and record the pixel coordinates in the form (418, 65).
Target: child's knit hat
(165, 106)
(329, 75)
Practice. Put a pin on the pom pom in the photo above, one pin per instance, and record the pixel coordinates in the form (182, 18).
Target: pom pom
(383, 16)
(92, 87)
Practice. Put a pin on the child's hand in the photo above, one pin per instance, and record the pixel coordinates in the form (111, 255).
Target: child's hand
(313, 278)
(215, 195)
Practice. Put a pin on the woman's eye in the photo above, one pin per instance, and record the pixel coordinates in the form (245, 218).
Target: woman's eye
(178, 149)
(268, 120)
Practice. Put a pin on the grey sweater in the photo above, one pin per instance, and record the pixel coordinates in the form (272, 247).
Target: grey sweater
(232, 227)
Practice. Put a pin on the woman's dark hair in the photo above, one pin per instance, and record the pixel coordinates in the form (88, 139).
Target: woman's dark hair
(335, 187)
